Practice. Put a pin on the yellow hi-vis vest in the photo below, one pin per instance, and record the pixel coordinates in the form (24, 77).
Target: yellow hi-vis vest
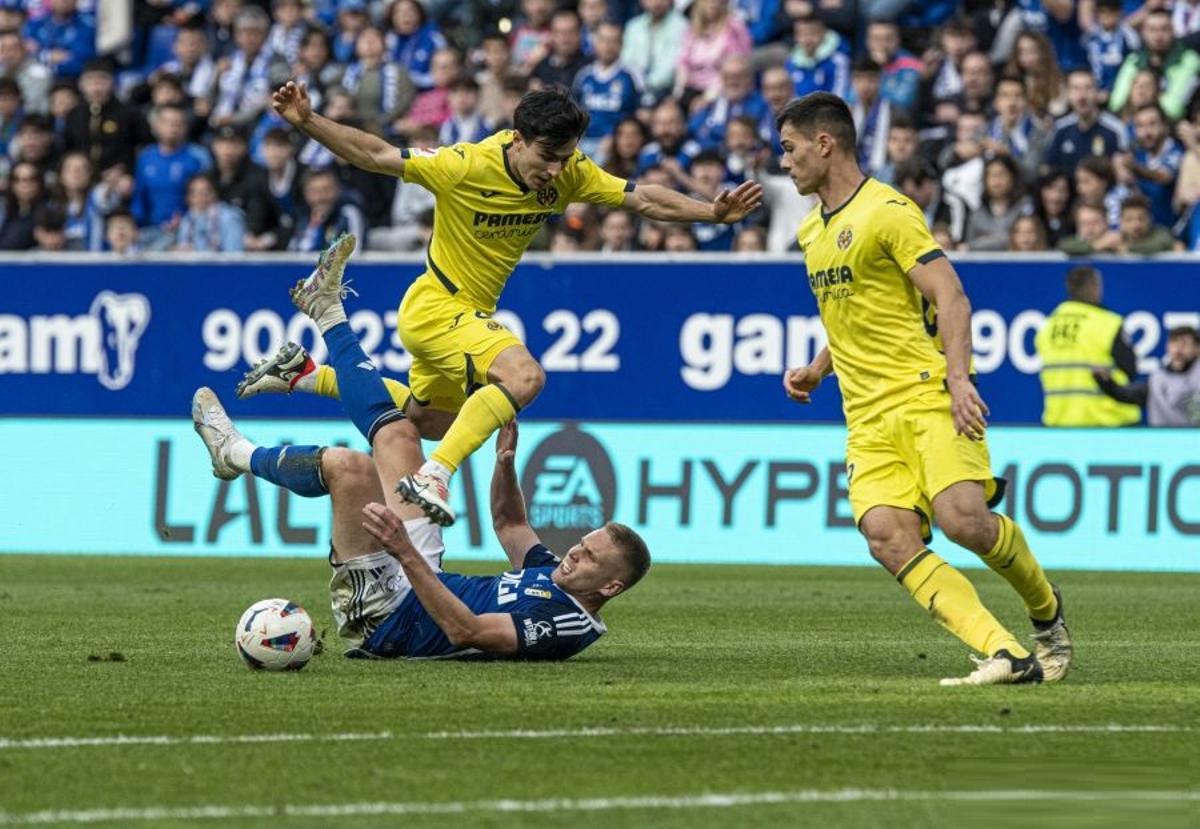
(1076, 338)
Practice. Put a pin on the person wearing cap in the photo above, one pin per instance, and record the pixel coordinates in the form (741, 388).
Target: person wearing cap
(106, 129)
(65, 39)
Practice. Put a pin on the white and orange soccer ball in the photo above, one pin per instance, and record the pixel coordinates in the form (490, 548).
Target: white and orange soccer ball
(275, 635)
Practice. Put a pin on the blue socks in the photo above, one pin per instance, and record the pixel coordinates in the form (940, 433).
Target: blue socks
(360, 386)
(297, 468)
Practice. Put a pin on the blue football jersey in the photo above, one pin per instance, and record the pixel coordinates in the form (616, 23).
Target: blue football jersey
(549, 623)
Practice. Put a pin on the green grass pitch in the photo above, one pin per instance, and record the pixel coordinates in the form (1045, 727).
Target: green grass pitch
(722, 696)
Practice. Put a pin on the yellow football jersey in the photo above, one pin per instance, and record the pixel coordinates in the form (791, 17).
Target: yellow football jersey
(484, 218)
(882, 332)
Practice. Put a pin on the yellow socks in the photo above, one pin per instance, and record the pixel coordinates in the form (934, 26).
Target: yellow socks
(326, 386)
(485, 411)
(953, 603)
(1012, 559)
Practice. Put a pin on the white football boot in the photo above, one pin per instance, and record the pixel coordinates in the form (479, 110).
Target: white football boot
(216, 430)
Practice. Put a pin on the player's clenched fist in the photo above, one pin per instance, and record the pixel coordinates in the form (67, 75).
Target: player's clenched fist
(800, 383)
(292, 103)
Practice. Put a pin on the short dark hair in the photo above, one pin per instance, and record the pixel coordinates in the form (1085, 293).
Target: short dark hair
(1183, 331)
(1080, 278)
(1154, 105)
(464, 84)
(916, 171)
(1112, 5)
(633, 548)
(550, 117)
(900, 121)
(865, 64)
(1100, 167)
(1135, 202)
(50, 217)
(9, 86)
(820, 112)
(1007, 78)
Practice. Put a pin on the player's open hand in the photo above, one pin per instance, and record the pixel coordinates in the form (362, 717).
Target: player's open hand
(292, 103)
(800, 383)
(968, 409)
(506, 443)
(730, 207)
(385, 526)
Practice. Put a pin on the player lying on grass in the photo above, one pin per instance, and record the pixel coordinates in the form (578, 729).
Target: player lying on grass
(899, 327)
(470, 375)
(389, 596)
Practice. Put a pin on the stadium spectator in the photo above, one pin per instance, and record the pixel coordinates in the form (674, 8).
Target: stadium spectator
(679, 239)
(432, 107)
(108, 130)
(64, 97)
(316, 68)
(1171, 394)
(744, 152)
(919, 181)
(496, 71)
(1096, 184)
(1027, 235)
(531, 38)
(1108, 42)
(382, 89)
(1139, 234)
(1033, 59)
(629, 138)
(565, 240)
(617, 232)
(607, 90)
(465, 122)
(11, 114)
(1092, 233)
(121, 234)
(651, 235)
(1187, 185)
(901, 148)
(941, 65)
(209, 225)
(410, 203)
(1014, 132)
(1142, 92)
(709, 176)
(244, 86)
(1178, 66)
(962, 162)
(872, 114)
(776, 86)
(242, 184)
(1052, 198)
(1087, 130)
(352, 18)
(25, 195)
(978, 82)
(1058, 21)
(738, 99)
(33, 78)
(325, 214)
(283, 186)
(820, 59)
(714, 35)
(49, 230)
(161, 176)
(74, 198)
(194, 66)
(565, 58)
(287, 29)
(671, 148)
(1185, 18)
(34, 142)
(65, 38)
(653, 40)
(752, 239)
(1153, 166)
(900, 71)
(412, 40)
(221, 19)
(1003, 201)
(1078, 335)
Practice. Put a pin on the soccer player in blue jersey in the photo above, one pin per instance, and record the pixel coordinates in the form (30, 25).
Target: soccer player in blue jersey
(388, 593)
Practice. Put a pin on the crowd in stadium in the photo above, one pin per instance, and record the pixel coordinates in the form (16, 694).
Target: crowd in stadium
(1034, 125)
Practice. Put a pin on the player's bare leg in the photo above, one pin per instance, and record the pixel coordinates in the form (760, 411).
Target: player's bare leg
(894, 536)
(515, 380)
(965, 518)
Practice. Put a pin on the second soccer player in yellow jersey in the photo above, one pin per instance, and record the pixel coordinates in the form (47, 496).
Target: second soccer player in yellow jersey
(470, 375)
(898, 324)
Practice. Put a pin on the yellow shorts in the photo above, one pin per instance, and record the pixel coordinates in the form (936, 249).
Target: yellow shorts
(906, 456)
(452, 344)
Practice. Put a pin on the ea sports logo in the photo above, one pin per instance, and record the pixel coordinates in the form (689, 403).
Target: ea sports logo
(547, 196)
(571, 487)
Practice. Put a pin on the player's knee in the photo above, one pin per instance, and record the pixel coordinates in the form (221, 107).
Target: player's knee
(526, 382)
(341, 467)
(398, 436)
(972, 529)
(891, 547)
(430, 423)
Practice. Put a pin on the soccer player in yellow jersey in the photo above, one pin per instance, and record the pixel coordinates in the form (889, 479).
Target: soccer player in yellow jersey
(470, 375)
(900, 343)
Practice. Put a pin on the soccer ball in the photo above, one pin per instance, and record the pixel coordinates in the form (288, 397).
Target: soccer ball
(275, 635)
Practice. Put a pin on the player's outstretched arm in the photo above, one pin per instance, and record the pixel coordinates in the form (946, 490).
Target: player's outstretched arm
(939, 284)
(509, 520)
(363, 150)
(489, 632)
(662, 204)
